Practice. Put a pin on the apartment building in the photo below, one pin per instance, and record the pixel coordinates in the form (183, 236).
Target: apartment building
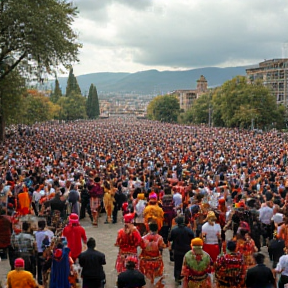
(187, 97)
(274, 74)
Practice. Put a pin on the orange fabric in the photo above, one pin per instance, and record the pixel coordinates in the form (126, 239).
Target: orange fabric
(24, 203)
(21, 279)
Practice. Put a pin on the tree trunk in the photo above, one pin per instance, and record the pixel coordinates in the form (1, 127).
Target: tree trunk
(2, 128)
(2, 121)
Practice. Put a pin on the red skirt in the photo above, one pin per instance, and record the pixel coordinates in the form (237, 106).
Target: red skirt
(212, 250)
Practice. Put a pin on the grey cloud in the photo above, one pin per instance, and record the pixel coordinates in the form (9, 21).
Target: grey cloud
(97, 9)
(206, 34)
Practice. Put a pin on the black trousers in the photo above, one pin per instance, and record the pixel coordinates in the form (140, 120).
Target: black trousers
(283, 280)
(178, 261)
(40, 262)
(93, 283)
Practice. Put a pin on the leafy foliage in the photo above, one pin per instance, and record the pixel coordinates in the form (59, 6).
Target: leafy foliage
(36, 33)
(72, 85)
(57, 93)
(164, 108)
(92, 104)
(72, 107)
(11, 105)
(38, 108)
(237, 104)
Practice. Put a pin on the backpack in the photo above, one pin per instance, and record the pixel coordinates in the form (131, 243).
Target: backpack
(96, 191)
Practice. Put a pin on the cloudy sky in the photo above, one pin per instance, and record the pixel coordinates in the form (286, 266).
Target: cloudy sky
(137, 35)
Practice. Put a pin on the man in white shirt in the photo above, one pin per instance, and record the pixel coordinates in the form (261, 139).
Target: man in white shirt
(282, 267)
(177, 198)
(265, 216)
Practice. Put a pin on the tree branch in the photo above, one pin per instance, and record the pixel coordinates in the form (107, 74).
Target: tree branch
(10, 69)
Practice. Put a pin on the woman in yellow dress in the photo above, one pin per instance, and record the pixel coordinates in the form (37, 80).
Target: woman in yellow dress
(108, 200)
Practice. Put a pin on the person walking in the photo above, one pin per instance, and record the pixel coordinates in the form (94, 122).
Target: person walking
(19, 278)
(128, 239)
(229, 268)
(181, 237)
(75, 235)
(92, 262)
(211, 233)
(151, 262)
(260, 276)
(24, 246)
(131, 278)
(197, 265)
(282, 268)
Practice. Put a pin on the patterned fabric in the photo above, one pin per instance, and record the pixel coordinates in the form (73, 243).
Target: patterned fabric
(22, 242)
(151, 263)
(127, 243)
(195, 269)
(247, 249)
(229, 270)
(95, 203)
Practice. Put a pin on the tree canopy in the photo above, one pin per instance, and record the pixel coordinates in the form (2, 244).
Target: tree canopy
(72, 84)
(164, 108)
(237, 104)
(92, 103)
(37, 34)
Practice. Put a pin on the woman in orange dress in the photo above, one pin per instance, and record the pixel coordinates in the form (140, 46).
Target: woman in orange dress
(246, 246)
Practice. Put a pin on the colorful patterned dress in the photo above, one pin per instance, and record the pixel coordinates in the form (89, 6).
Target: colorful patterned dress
(247, 249)
(127, 243)
(195, 269)
(151, 263)
(229, 271)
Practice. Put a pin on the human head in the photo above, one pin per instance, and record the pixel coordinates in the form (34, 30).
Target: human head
(196, 243)
(153, 227)
(73, 219)
(25, 226)
(91, 243)
(179, 220)
(231, 246)
(259, 257)
(41, 224)
(19, 263)
(211, 217)
(130, 262)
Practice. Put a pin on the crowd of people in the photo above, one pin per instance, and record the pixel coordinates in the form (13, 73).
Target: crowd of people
(176, 187)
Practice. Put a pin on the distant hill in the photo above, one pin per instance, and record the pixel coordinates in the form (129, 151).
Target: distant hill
(153, 81)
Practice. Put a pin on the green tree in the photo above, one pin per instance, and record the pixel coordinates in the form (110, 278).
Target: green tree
(57, 93)
(37, 37)
(164, 108)
(95, 103)
(11, 106)
(38, 107)
(72, 85)
(73, 107)
(239, 104)
(92, 104)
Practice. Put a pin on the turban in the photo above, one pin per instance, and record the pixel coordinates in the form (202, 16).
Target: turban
(197, 242)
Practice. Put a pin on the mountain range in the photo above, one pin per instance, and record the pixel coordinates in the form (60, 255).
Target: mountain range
(153, 82)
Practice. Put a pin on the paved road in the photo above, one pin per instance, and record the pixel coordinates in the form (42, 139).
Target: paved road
(105, 236)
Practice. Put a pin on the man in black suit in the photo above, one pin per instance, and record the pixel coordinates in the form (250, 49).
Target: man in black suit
(131, 278)
(260, 276)
(181, 237)
(92, 262)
